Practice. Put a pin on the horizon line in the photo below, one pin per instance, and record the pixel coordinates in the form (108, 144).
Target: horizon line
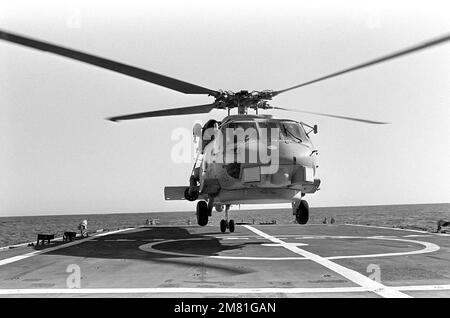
(253, 209)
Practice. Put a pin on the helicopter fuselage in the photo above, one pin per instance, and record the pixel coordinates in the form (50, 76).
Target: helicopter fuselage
(256, 160)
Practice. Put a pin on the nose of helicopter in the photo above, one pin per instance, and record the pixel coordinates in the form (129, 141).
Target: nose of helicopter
(296, 153)
(296, 163)
(281, 153)
(286, 162)
(279, 164)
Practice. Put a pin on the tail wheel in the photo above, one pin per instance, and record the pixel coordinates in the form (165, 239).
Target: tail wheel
(202, 213)
(302, 213)
(231, 226)
(223, 226)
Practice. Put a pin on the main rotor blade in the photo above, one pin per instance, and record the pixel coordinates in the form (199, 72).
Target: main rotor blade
(334, 116)
(132, 71)
(167, 112)
(418, 47)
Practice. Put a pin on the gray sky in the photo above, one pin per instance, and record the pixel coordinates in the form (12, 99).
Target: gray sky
(59, 156)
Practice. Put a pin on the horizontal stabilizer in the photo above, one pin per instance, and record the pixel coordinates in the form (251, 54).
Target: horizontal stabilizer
(175, 193)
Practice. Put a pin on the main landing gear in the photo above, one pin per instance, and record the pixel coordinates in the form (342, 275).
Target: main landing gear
(225, 224)
(203, 213)
(301, 211)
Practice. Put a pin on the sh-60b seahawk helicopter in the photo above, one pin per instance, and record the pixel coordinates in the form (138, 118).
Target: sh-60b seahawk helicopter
(223, 175)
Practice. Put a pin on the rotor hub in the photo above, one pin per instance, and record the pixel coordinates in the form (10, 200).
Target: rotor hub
(243, 100)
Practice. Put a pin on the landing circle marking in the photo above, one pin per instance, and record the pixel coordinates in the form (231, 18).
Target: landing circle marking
(428, 248)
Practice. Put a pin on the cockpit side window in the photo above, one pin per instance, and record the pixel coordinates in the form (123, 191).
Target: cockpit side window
(291, 130)
(207, 132)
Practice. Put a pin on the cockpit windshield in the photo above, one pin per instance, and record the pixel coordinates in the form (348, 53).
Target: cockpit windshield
(243, 130)
(274, 130)
(288, 130)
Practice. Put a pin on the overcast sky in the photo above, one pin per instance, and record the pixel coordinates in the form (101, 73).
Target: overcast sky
(59, 156)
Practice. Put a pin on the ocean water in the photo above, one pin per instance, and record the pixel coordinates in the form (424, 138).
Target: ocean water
(14, 230)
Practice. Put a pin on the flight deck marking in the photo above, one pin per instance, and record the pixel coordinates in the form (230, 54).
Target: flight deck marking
(398, 229)
(214, 290)
(387, 228)
(429, 248)
(51, 249)
(235, 238)
(278, 245)
(348, 273)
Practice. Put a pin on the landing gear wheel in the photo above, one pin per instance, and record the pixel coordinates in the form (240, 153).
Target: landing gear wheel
(302, 213)
(202, 213)
(223, 226)
(231, 226)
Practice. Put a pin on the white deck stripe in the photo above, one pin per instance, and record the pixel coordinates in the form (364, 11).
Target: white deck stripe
(51, 249)
(350, 274)
(213, 290)
(429, 248)
(8, 247)
(16, 245)
(388, 228)
(28, 243)
(399, 229)
(424, 287)
(179, 290)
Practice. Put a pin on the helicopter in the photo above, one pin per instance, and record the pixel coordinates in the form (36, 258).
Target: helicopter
(244, 158)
